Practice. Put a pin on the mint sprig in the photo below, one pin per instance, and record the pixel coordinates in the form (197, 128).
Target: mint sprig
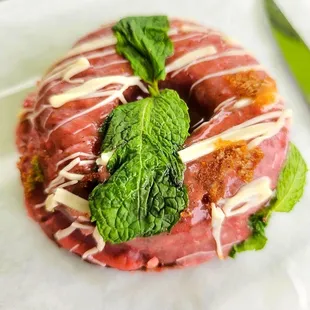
(144, 41)
(291, 184)
(145, 192)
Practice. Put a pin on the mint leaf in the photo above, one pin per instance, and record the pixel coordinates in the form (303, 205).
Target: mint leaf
(258, 238)
(291, 181)
(291, 184)
(144, 41)
(145, 193)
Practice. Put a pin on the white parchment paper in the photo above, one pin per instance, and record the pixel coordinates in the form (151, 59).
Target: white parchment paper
(36, 275)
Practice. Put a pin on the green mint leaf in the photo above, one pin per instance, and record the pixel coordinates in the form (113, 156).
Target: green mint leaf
(145, 193)
(258, 238)
(291, 181)
(290, 189)
(144, 41)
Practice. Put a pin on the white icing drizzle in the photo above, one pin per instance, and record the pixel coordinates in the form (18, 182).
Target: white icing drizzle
(68, 199)
(33, 114)
(74, 65)
(241, 103)
(224, 104)
(230, 40)
(72, 201)
(245, 131)
(69, 183)
(36, 113)
(183, 261)
(61, 67)
(100, 244)
(221, 114)
(50, 203)
(60, 177)
(64, 173)
(107, 52)
(190, 57)
(83, 128)
(116, 62)
(232, 103)
(74, 176)
(82, 226)
(235, 52)
(82, 218)
(185, 37)
(152, 263)
(275, 160)
(79, 66)
(104, 158)
(198, 255)
(74, 155)
(173, 31)
(87, 162)
(46, 118)
(91, 86)
(105, 93)
(39, 205)
(193, 256)
(95, 261)
(195, 28)
(68, 63)
(272, 131)
(71, 176)
(72, 164)
(24, 111)
(92, 45)
(74, 248)
(90, 252)
(228, 71)
(244, 102)
(218, 218)
(63, 233)
(72, 68)
(55, 182)
(249, 196)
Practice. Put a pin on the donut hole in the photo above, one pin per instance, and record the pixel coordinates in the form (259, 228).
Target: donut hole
(198, 113)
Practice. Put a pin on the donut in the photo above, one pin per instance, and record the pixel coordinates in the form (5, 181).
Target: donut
(238, 142)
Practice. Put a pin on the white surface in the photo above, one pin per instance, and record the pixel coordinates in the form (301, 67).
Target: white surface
(36, 275)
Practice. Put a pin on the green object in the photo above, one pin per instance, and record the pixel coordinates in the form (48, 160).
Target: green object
(293, 48)
(291, 182)
(258, 239)
(145, 193)
(290, 189)
(144, 41)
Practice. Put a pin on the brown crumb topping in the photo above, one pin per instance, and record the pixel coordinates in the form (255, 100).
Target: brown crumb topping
(32, 176)
(250, 85)
(228, 157)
